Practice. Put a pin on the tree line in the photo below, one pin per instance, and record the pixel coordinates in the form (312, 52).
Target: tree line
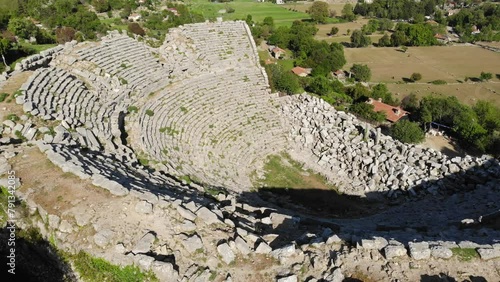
(397, 10)
(485, 17)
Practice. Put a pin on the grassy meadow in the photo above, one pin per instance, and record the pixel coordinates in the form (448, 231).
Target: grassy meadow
(281, 15)
(449, 63)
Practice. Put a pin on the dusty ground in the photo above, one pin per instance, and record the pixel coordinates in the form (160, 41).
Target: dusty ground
(343, 35)
(467, 93)
(9, 106)
(451, 64)
(440, 143)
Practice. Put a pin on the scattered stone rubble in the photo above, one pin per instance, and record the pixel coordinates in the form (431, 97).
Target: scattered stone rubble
(88, 89)
(359, 159)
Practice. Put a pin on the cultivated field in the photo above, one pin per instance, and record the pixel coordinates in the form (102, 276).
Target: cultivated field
(281, 15)
(451, 64)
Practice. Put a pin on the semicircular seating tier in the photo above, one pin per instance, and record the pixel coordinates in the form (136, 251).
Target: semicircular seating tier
(212, 127)
(220, 119)
(89, 87)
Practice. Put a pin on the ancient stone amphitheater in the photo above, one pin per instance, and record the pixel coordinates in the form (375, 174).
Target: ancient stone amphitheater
(137, 121)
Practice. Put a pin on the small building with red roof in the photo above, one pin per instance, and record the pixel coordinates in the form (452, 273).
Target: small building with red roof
(392, 113)
(302, 72)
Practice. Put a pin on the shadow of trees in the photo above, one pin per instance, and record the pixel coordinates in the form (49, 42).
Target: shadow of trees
(441, 277)
(438, 204)
(35, 259)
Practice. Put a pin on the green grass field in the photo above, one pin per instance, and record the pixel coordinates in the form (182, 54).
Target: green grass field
(258, 10)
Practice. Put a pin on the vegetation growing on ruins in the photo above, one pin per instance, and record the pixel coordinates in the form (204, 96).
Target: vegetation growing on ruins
(3, 96)
(97, 269)
(464, 254)
(281, 171)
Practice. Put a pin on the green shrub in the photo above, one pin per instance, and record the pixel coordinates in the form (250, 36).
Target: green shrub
(3, 96)
(133, 109)
(12, 117)
(97, 269)
(407, 132)
(416, 76)
(438, 82)
(150, 113)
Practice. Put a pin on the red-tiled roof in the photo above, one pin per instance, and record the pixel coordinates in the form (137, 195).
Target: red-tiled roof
(299, 70)
(392, 113)
(278, 49)
(439, 36)
(339, 72)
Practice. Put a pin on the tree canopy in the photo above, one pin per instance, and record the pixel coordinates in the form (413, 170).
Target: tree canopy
(359, 39)
(407, 132)
(348, 13)
(361, 72)
(319, 11)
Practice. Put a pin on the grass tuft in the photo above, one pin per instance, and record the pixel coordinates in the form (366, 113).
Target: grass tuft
(97, 269)
(465, 254)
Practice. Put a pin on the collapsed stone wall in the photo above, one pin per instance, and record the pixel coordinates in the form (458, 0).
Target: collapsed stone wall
(358, 159)
(40, 60)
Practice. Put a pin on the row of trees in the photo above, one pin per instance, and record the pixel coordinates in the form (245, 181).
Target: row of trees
(391, 9)
(404, 35)
(320, 12)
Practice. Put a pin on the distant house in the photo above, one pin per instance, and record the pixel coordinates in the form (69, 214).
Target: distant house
(277, 52)
(134, 17)
(302, 72)
(280, 2)
(393, 114)
(339, 74)
(441, 38)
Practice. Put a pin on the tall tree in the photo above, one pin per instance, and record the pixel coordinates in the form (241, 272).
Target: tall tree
(319, 11)
(361, 72)
(359, 39)
(407, 132)
(348, 13)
